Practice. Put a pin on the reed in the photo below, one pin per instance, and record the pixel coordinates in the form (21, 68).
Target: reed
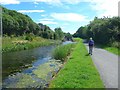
(20, 43)
(61, 52)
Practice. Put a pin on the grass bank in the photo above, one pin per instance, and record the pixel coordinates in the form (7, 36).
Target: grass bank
(10, 44)
(78, 72)
(61, 52)
(112, 50)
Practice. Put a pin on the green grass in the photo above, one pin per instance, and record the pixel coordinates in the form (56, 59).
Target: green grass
(19, 43)
(78, 72)
(113, 50)
(61, 52)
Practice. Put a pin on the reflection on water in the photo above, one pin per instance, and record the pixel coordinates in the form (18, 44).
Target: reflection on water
(67, 42)
(37, 78)
(17, 61)
(36, 64)
(40, 67)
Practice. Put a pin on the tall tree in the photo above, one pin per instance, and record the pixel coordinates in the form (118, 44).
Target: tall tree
(59, 33)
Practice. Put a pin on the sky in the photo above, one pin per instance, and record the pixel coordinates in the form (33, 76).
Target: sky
(67, 14)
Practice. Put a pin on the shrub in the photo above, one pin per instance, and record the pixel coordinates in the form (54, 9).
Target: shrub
(29, 37)
(116, 44)
(61, 52)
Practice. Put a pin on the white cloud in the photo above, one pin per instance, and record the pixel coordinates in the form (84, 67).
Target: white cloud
(72, 17)
(43, 15)
(48, 22)
(4, 2)
(71, 1)
(52, 2)
(66, 24)
(46, 19)
(36, 3)
(59, 2)
(30, 11)
(104, 7)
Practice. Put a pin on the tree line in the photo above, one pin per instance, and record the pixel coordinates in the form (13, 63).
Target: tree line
(18, 24)
(103, 30)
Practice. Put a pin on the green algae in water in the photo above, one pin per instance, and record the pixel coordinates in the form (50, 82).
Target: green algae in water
(24, 81)
(43, 71)
(19, 81)
(38, 78)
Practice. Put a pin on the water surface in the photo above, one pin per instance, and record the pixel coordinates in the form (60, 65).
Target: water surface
(32, 68)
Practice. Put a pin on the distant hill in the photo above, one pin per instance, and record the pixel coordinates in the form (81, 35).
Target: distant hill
(18, 24)
(15, 23)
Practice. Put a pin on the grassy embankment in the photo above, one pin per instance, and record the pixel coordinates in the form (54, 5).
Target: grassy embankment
(22, 43)
(78, 72)
(113, 50)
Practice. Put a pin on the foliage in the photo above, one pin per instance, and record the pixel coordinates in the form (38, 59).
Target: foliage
(23, 43)
(29, 37)
(58, 33)
(61, 52)
(18, 24)
(68, 37)
(76, 39)
(78, 72)
(102, 30)
(112, 48)
(46, 32)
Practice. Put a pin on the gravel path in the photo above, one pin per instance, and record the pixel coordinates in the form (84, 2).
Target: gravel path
(107, 65)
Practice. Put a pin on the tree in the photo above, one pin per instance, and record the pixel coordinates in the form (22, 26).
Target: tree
(103, 30)
(59, 33)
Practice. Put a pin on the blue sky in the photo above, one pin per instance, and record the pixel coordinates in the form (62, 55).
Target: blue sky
(67, 14)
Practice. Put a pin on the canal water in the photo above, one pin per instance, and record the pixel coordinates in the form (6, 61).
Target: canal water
(32, 68)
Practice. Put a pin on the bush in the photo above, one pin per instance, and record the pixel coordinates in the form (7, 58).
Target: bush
(61, 52)
(29, 37)
(116, 44)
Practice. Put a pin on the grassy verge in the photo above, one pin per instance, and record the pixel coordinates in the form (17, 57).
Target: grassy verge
(19, 43)
(78, 72)
(61, 52)
(113, 50)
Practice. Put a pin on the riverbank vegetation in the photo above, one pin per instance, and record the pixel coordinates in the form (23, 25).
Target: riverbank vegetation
(104, 31)
(10, 44)
(20, 32)
(61, 52)
(111, 49)
(78, 72)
